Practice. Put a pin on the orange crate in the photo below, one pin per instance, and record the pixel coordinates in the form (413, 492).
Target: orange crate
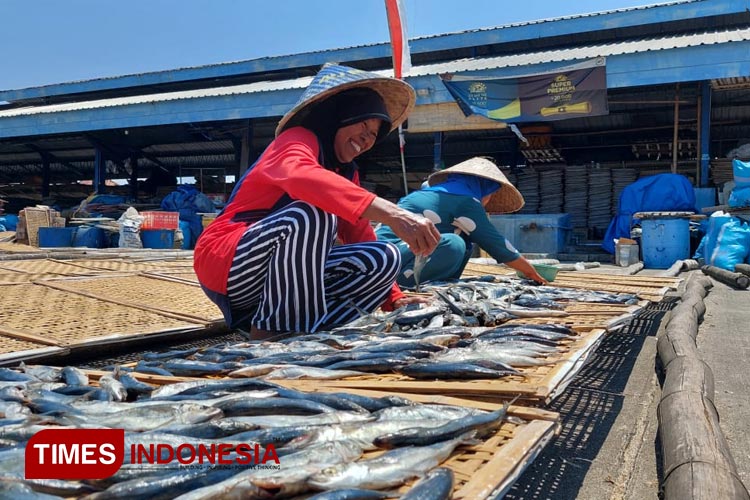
(160, 220)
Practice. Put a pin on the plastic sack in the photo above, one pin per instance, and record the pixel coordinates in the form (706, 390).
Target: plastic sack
(130, 225)
(732, 245)
(700, 251)
(713, 227)
(740, 197)
(741, 171)
(9, 221)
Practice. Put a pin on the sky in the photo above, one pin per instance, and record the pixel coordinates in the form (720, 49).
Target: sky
(54, 41)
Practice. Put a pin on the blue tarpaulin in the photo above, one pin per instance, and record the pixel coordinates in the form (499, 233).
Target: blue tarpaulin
(655, 193)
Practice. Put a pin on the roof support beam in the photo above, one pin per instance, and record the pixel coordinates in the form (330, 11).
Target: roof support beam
(46, 177)
(133, 176)
(99, 173)
(246, 147)
(52, 158)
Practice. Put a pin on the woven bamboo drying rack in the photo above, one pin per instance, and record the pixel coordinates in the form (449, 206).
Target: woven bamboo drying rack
(485, 470)
(538, 385)
(181, 275)
(46, 316)
(12, 348)
(173, 298)
(46, 266)
(116, 265)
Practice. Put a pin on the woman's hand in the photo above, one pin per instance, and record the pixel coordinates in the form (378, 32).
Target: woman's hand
(537, 277)
(411, 299)
(418, 232)
(523, 265)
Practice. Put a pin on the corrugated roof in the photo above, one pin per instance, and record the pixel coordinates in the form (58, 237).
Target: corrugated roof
(413, 41)
(458, 66)
(674, 17)
(583, 53)
(557, 19)
(249, 88)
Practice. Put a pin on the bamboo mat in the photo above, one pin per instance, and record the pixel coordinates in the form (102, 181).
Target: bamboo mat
(45, 266)
(481, 471)
(175, 298)
(10, 279)
(118, 265)
(44, 315)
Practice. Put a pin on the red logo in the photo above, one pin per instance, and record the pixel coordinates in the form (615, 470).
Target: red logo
(74, 453)
(99, 453)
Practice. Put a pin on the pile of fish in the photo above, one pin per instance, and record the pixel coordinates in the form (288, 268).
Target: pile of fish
(459, 335)
(319, 439)
(427, 353)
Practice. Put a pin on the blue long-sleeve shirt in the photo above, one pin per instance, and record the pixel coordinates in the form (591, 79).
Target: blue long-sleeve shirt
(448, 211)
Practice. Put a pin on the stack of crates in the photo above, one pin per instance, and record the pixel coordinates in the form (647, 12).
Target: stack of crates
(160, 220)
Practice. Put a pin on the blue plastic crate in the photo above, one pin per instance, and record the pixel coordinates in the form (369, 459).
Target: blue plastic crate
(535, 233)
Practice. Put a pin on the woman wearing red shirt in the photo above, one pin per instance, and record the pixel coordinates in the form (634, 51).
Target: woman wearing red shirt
(269, 260)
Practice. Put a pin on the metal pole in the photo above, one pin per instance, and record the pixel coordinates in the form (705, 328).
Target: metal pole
(98, 171)
(698, 179)
(676, 127)
(401, 143)
(437, 151)
(705, 127)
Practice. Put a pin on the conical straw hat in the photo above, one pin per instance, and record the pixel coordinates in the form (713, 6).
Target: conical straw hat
(505, 200)
(398, 96)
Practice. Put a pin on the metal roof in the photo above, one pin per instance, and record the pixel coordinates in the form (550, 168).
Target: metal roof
(605, 21)
(583, 53)
(524, 61)
(251, 88)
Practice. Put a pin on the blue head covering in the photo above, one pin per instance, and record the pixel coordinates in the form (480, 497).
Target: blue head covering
(467, 185)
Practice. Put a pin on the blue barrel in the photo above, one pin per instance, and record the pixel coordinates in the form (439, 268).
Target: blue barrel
(89, 236)
(664, 241)
(157, 238)
(187, 238)
(50, 237)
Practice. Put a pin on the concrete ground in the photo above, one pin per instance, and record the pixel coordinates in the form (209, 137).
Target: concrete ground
(608, 447)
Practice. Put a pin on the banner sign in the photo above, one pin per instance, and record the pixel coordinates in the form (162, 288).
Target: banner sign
(571, 92)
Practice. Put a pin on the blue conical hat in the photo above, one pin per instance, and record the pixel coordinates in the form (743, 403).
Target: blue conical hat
(398, 96)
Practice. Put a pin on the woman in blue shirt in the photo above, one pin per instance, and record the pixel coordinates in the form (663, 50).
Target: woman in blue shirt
(455, 202)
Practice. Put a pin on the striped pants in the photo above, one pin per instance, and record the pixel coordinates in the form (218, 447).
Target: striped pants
(287, 270)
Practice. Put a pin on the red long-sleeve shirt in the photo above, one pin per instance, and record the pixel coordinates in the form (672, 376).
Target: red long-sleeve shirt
(289, 166)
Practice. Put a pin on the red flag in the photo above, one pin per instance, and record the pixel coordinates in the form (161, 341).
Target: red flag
(399, 40)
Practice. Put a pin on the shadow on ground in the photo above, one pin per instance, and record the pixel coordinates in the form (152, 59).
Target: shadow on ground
(588, 409)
